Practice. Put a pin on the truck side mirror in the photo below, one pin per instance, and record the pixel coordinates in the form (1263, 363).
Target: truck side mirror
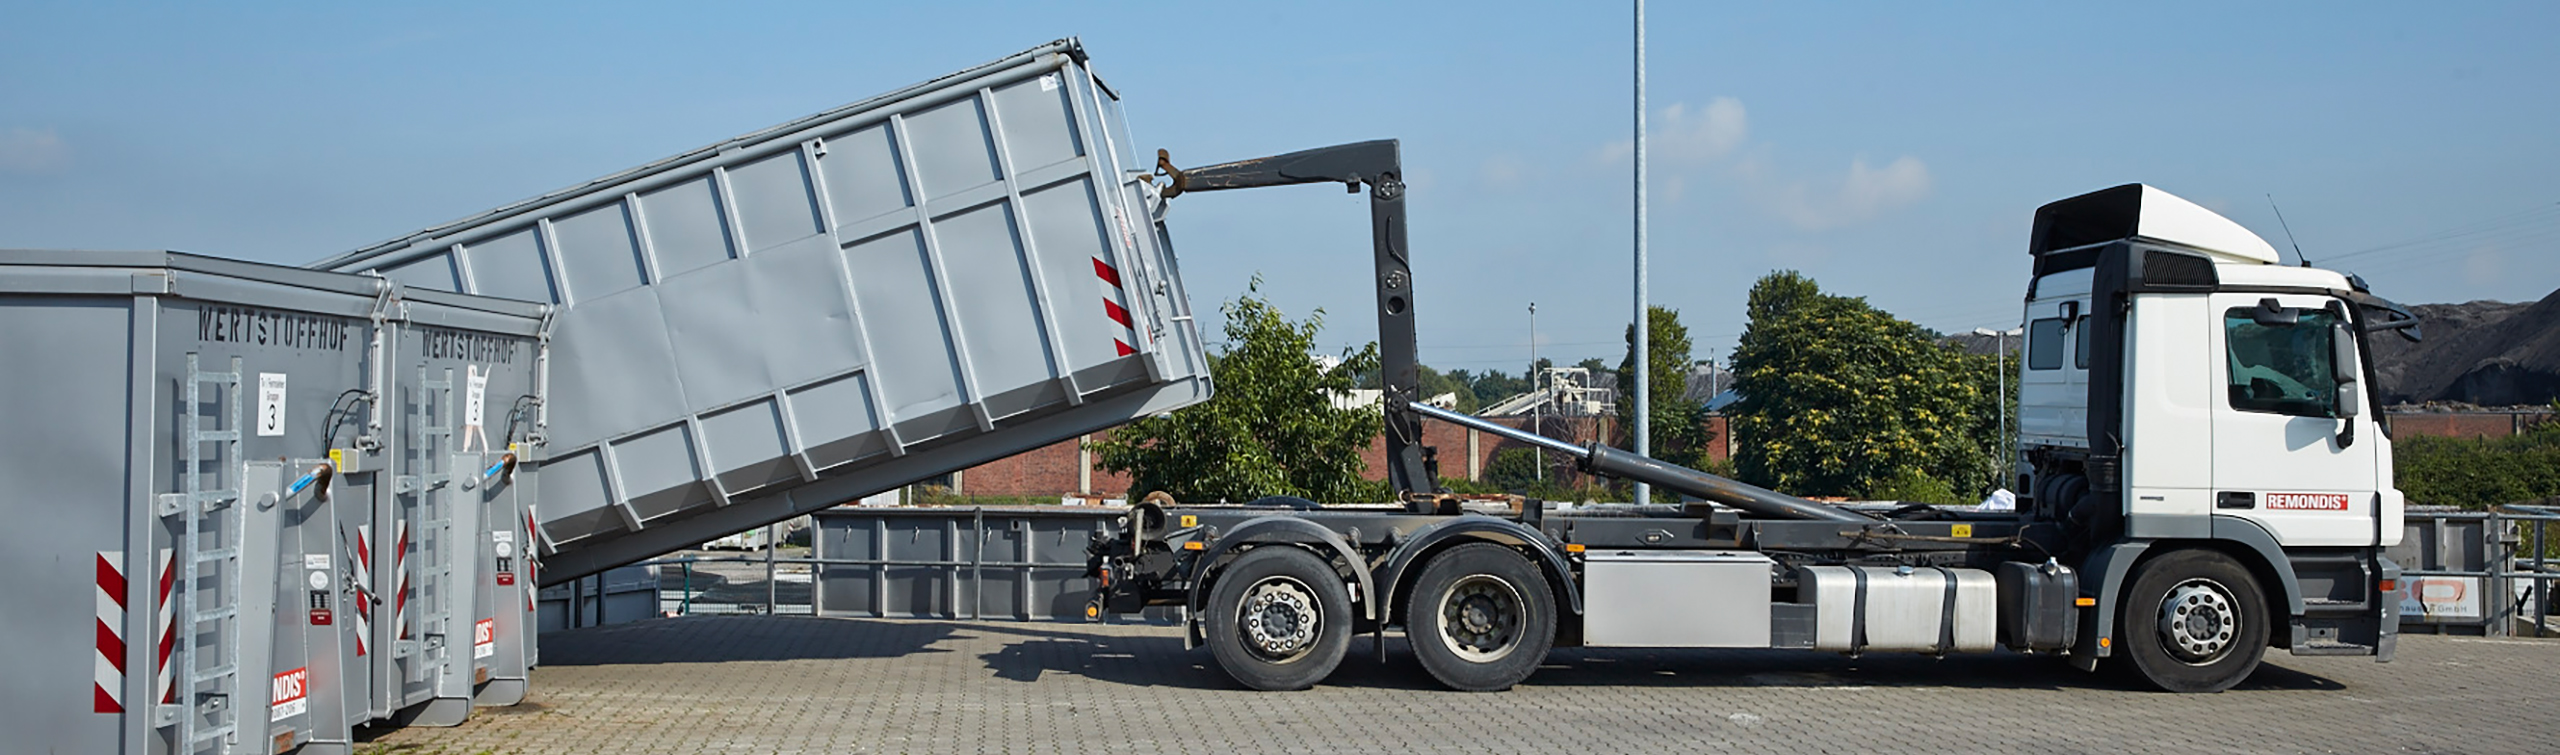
(2272, 314)
(2344, 367)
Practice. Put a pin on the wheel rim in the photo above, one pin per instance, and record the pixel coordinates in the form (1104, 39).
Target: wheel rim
(1278, 619)
(2199, 620)
(1480, 618)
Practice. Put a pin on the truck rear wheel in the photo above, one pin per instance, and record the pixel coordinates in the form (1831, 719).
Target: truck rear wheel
(2194, 621)
(1279, 619)
(1480, 618)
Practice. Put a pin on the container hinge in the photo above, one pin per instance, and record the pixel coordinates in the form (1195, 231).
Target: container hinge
(388, 305)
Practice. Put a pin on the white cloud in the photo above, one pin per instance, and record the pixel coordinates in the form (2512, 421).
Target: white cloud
(1504, 171)
(24, 150)
(2484, 266)
(1681, 135)
(1869, 191)
(1685, 139)
(1864, 193)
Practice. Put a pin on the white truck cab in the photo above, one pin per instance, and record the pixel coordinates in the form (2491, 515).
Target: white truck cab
(2188, 405)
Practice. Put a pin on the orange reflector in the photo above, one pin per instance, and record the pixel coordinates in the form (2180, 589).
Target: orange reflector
(2085, 602)
(2106, 642)
(1092, 611)
(1573, 547)
(1194, 545)
(2391, 585)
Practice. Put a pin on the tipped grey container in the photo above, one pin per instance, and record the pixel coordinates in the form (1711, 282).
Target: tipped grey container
(898, 288)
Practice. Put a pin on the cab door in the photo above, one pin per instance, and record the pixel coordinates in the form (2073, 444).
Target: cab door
(2293, 450)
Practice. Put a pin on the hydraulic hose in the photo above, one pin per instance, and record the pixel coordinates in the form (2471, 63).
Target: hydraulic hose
(1603, 460)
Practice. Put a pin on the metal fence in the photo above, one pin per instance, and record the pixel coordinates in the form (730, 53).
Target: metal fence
(2480, 572)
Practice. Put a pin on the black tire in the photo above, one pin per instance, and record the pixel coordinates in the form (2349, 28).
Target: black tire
(1279, 619)
(2193, 621)
(1480, 618)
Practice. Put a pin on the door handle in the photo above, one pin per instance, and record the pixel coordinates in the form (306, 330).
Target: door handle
(2235, 500)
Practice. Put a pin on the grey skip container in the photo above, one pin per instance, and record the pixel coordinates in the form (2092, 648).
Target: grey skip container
(778, 323)
(273, 489)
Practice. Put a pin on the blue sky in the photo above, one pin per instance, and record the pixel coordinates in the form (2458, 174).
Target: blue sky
(1895, 152)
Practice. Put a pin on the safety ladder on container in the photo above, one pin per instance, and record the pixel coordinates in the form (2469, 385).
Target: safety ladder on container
(433, 423)
(213, 715)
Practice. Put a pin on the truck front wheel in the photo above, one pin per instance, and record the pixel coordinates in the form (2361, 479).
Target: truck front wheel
(1279, 619)
(2194, 621)
(1480, 618)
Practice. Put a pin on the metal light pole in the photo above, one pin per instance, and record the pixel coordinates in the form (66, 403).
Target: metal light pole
(1644, 320)
(1537, 409)
(2000, 347)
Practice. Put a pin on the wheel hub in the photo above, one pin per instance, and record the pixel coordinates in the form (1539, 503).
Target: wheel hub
(2198, 621)
(1480, 618)
(1280, 618)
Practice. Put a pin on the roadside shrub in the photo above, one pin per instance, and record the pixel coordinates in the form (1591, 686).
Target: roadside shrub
(2477, 473)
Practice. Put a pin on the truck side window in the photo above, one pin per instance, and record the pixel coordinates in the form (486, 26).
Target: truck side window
(2080, 343)
(2044, 344)
(2281, 369)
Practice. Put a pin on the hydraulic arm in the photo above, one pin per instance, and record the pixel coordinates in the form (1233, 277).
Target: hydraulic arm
(1410, 465)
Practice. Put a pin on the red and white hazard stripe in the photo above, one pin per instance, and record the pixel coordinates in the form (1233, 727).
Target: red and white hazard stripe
(167, 678)
(363, 609)
(400, 564)
(1113, 297)
(532, 544)
(109, 676)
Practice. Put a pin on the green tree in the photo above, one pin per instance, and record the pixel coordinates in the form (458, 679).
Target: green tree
(1676, 433)
(1513, 470)
(1494, 385)
(1272, 427)
(1839, 398)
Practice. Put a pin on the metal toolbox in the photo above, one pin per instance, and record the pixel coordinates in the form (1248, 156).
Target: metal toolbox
(1666, 598)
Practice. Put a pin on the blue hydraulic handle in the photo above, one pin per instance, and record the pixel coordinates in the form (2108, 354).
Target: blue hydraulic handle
(317, 474)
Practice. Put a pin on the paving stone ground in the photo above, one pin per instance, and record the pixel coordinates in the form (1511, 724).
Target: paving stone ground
(782, 685)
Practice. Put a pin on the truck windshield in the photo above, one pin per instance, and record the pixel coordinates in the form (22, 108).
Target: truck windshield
(2283, 369)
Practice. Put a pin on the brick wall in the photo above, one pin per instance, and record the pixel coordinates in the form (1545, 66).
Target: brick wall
(1045, 471)
(2464, 424)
